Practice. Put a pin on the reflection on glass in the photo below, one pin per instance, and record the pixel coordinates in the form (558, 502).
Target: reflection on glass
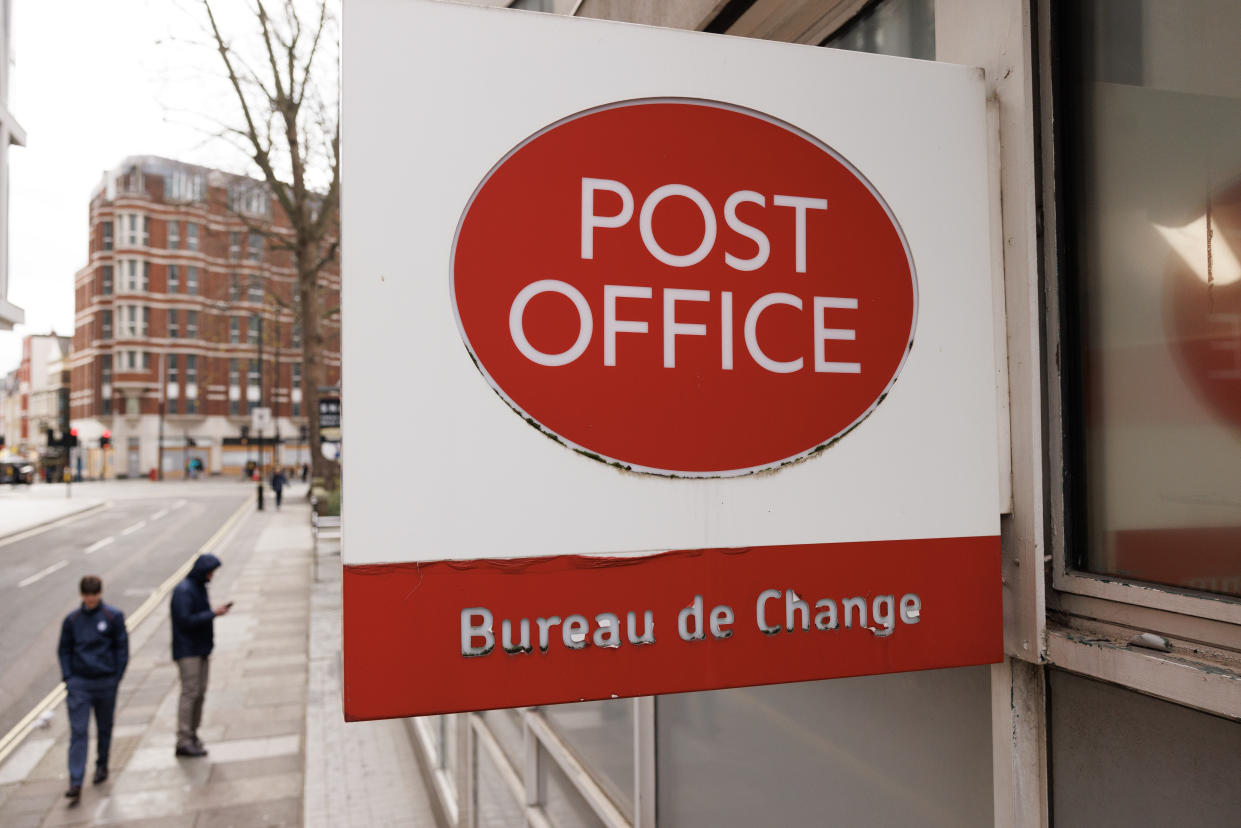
(904, 28)
(506, 727)
(1150, 98)
(562, 804)
(903, 749)
(496, 805)
(600, 734)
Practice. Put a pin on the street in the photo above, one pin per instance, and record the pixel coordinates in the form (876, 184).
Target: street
(140, 533)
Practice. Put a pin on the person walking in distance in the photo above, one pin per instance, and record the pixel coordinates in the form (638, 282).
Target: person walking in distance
(193, 636)
(93, 651)
(278, 480)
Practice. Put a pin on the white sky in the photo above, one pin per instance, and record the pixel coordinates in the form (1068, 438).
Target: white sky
(94, 82)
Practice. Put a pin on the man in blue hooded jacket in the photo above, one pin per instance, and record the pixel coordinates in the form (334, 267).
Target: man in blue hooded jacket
(93, 651)
(193, 636)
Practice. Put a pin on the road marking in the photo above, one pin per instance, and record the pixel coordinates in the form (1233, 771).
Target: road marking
(40, 575)
(14, 738)
(134, 528)
(159, 514)
(52, 524)
(97, 545)
(178, 504)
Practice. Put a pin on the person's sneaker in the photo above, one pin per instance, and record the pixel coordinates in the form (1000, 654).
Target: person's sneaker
(101, 776)
(191, 750)
(74, 794)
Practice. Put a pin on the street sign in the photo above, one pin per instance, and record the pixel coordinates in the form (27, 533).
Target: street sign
(697, 386)
(782, 326)
(329, 421)
(260, 419)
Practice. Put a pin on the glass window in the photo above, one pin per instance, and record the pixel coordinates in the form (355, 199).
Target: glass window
(146, 360)
(174, 279)
(191, 235)
(174, 235)
(191, 384)
(296, 393)
(254, 242)
(191, 324)
(1103, 737)
(146, 276)
(174, 327)
(131, 238)
(234, 244)
(234, 287)
(253, 330)
(146, 231)
(901, 749)
(131, 272)
(107, 324)
(234, 329)
(563, 804)
(146, 321)
(107, 234)
(191, 280)
(253, 377)
(171, 379)
(1149, 100)
(256, 288)
(496, 804)
(105, 383)
(592, 730)
(107, 280)
(234, 386)
(904, 28)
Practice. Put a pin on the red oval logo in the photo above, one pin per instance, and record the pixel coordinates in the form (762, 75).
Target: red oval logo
(683, 287)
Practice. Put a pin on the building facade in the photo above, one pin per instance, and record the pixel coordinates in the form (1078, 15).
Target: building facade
(11, 133)
(1117, 128)
(186, 323)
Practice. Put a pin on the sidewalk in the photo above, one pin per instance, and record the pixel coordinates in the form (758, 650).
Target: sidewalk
(280, 753)
(27, 507)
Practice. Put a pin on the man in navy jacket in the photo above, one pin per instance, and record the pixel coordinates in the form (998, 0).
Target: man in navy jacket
(94, 651)
(193, 636)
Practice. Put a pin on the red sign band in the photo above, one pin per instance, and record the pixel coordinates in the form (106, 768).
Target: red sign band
(448, 636)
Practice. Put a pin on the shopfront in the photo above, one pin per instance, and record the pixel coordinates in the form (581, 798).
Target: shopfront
(1114, 164)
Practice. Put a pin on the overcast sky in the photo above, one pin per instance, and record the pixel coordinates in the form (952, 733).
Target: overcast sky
(94, 82)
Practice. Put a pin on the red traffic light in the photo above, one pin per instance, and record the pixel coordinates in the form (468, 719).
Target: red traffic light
(107, 434)
(73, 432)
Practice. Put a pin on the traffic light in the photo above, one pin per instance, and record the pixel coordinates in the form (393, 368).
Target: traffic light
(72, 440)
(105, 439)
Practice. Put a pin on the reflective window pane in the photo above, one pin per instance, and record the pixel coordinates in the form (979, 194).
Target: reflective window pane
(506, 727)
(903, 749)
(563, 805)
(1120, 759)
(1150, 205)
(600, 734)
(904, 28)
(495, 802)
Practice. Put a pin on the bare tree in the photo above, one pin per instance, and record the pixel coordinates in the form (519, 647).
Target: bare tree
(290, 129)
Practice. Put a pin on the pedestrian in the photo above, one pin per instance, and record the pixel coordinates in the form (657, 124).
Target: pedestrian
(277, 484)
(94, 651)
(193, 637)
(305, 471)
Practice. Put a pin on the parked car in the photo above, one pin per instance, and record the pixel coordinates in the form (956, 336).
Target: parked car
(16, 471)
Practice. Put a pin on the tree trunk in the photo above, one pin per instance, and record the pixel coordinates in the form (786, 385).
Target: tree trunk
(313, 374)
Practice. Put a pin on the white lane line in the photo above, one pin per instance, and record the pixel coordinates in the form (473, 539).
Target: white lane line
(97, 545)
(178, 504)
(40, 575)
(158, 515)
(130, 530)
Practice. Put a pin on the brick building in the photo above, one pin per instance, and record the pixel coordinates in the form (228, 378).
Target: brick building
(182, 285)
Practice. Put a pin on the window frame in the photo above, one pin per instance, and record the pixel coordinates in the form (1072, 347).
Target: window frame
(1109, 598)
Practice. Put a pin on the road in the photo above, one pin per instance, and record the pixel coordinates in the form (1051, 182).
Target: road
(141, 535)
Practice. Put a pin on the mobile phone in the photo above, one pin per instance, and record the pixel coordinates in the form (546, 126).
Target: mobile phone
(229, 605)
